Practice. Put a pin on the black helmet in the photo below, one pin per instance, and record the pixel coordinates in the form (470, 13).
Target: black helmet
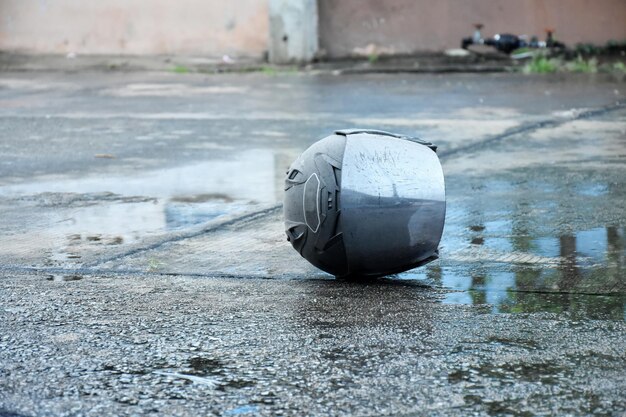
(366, 203)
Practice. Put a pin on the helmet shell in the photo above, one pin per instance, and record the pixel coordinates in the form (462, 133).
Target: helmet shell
(366, 203)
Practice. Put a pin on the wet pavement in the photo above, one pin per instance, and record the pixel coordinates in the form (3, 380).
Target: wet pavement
(144, 270)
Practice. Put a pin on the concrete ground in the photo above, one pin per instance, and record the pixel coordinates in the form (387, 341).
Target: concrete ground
(144, 269)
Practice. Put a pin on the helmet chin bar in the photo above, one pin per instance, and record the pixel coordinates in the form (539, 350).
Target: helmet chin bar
(366, 203)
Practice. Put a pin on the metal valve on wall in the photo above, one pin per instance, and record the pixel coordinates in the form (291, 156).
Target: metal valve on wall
(366, 203)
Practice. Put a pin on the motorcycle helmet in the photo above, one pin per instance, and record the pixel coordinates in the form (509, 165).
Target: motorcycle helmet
(366, 202)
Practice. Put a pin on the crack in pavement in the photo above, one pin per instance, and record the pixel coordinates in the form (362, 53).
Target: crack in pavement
(154, 274)
(251, 216)
(531, 127)
(90, 272)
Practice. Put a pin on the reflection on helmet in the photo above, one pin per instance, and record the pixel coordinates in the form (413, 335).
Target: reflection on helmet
(366, 203)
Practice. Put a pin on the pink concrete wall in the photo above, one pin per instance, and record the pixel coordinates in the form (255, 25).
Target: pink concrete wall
(195, 27)
(240, 27)
(347, 27)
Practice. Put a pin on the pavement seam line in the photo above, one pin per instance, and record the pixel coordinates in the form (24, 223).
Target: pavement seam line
(188, 235)
(140, 273)
(531, 127)
(154, 274)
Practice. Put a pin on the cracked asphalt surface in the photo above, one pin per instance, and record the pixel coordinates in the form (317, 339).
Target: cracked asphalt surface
(144, 270)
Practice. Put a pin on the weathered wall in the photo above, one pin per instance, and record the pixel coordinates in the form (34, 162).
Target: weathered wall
(207, 27)
(347, 27)
(293, 30)
(241, 27)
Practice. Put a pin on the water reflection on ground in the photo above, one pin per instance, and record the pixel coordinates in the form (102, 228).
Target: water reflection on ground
(588, 279)
(507, 250)
(65, 217)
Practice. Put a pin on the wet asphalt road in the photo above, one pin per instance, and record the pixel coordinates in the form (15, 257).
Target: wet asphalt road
(143, 267)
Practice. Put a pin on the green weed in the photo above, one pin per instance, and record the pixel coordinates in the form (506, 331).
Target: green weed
(180, 69)
(582, 65)
(619, 67)
(270, 70)
(372, 58)
(541, 64)
(154, 265)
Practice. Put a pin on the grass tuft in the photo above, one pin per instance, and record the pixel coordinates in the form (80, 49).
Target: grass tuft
(540, 64)
(582, 65)
(619, 67)
(180, 69)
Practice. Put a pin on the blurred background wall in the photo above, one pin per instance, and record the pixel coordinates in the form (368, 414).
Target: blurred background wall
(242, 27)
(189, 27)
(407, 26)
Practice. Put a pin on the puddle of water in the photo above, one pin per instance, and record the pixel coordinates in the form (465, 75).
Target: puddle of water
(171, 90)
(249, 175)
(521, 247)
(64, 278)
(179, 215)
(524, 290)
(246, 409)
(586, 278)
(592, 189)
(99, 213)
(200, 366)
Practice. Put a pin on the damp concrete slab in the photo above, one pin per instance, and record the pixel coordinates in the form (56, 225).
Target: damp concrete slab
(143, 266)
(176, 345)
